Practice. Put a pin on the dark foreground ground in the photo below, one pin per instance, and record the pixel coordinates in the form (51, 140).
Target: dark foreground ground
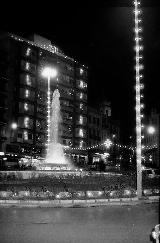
(111, 224)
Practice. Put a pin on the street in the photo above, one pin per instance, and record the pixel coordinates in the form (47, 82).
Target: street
(111, 224)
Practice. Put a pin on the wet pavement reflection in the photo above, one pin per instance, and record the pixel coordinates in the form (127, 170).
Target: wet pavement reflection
(114, 224)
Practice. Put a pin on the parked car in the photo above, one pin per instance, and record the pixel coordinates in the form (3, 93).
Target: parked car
(151, 173)
(157, 172)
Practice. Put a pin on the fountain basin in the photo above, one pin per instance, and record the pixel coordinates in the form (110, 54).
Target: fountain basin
(54, 167)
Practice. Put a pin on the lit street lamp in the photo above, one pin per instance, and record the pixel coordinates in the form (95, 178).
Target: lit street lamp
(151, 130)
(14, 126)
(49, 73)
(108, 143)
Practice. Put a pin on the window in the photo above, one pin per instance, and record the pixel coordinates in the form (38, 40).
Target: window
(26, 122)
(67, 142)
(67, 116)
(25, 135)
(66, 131)
(80, 132)
(30, 136)
(81, 120)
(81, 96)
(65, 102)
(66, 79)
(69, 68)
(81, 84)
(27, 79)
(26, 93)
(81, 144)
(81, 106)
(40, 138)
(41, 125)
(41, 109)
(28, 52)
(27, 66)
(26, 107)
(81, 71)
(70, 91)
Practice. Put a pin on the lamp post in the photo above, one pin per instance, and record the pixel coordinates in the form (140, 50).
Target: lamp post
(151, 130)
(139, 86)
(49, 73)
(107, 144)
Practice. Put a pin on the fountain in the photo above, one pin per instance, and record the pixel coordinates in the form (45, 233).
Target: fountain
(55, 158)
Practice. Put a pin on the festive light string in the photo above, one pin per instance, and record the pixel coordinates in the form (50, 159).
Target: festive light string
(151, 147)
(99, 145)
(103, 144)
(118, 145)
(139, 87)
(48, 114)
(50, 48)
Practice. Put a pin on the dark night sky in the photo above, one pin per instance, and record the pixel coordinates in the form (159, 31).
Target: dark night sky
(100, 36)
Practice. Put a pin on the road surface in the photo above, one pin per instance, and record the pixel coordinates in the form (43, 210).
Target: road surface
(110, 224)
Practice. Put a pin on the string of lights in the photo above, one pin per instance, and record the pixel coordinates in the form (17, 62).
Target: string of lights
(99, 145)
(139, 87)
(49, 47)
(151, 147)
(48, 114)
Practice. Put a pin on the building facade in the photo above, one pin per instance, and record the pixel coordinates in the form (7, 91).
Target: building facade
(102, 127)
(23, 95)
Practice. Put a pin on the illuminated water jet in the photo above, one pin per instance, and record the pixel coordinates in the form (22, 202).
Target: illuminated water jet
(55, 157)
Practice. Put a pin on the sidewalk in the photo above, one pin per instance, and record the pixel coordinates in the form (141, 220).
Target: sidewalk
(78, 203)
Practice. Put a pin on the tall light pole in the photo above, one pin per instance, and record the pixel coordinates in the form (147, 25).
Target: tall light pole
(49, 73)
(139, 86)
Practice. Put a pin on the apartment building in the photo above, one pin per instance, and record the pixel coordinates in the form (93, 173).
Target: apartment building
(23, 95)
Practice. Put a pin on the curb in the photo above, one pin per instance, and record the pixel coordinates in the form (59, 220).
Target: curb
(78, 203)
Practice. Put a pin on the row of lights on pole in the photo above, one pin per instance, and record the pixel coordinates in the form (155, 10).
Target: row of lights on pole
(139, 87)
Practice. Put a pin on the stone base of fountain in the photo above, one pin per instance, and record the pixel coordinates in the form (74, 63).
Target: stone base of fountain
(54, 167)
(55, 159)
